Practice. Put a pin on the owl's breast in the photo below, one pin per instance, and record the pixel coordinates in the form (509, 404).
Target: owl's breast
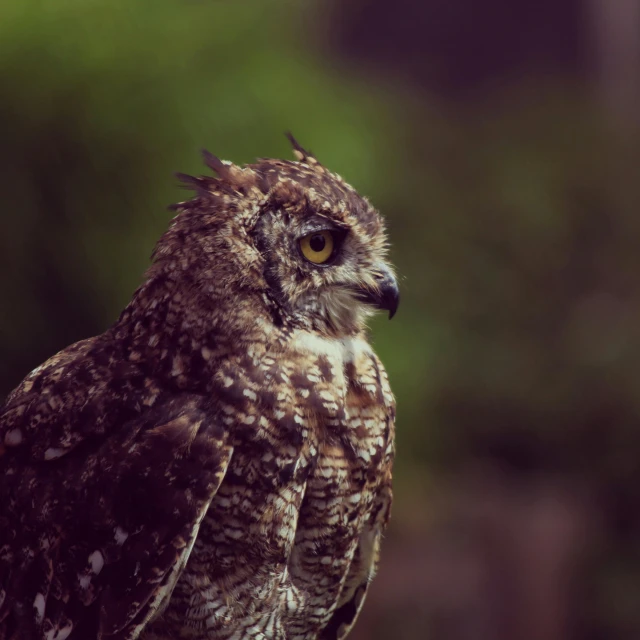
(354, 423)
(309, 435)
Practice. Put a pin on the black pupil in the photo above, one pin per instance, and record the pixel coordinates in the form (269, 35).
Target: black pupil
(317, 242)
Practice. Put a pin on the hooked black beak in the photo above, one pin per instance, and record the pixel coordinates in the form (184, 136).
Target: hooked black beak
(387, 295)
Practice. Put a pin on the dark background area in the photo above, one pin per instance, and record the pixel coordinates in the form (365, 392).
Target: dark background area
(500, 139)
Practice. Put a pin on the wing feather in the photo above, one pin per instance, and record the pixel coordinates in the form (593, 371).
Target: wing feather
(96, 524)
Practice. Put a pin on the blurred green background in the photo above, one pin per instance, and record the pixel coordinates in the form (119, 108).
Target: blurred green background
(499, 139)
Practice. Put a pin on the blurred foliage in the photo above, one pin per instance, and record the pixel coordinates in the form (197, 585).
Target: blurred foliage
(100, 102)
(513, 220)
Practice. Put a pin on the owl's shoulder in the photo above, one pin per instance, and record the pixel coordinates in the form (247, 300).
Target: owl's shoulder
(82, 391)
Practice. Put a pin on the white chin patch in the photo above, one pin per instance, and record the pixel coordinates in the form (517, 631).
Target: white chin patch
(343, 309)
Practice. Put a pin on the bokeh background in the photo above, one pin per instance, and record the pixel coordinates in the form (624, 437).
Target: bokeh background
(501, 141)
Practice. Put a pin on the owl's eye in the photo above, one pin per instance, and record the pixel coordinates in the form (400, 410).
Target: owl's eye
(318, 246)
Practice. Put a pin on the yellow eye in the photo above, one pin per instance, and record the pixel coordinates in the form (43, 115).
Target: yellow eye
(317, 247)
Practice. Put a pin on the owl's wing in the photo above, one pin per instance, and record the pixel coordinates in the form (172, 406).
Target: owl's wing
(94, 536)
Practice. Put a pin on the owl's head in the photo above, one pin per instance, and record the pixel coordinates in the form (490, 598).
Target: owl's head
(289, 237)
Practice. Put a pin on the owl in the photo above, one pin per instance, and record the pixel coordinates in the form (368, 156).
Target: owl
(217, 464)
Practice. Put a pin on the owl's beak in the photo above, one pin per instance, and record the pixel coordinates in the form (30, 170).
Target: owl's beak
(387, 294)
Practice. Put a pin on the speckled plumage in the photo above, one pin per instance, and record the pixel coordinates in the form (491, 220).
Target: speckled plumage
(217, 464)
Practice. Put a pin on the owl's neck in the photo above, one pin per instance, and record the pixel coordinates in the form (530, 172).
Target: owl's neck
(179, 332)
(176, 331)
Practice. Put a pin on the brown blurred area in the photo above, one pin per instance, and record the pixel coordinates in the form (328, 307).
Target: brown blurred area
(532, 524)
(502, 142)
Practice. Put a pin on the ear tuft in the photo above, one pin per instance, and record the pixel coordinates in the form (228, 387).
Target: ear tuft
(301, 154)
(214, 163)
(199, 185)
